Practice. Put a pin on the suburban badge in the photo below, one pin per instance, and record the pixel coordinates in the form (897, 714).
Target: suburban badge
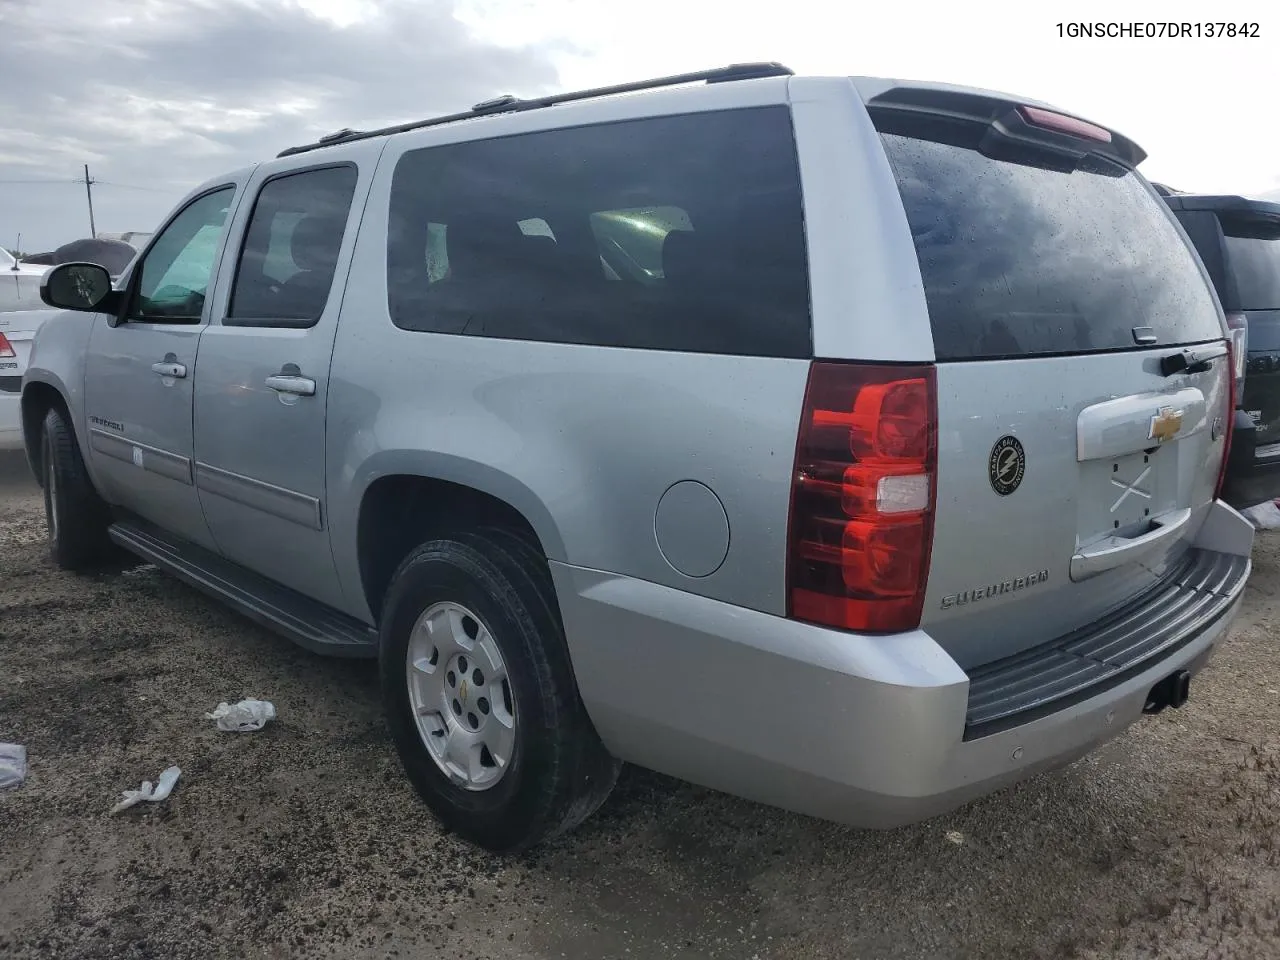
(986, 591)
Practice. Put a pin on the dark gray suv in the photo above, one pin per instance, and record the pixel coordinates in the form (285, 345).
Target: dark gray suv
(1239, 241)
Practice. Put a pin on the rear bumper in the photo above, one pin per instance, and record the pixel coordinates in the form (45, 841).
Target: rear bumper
(869, 731)
(1249, 481)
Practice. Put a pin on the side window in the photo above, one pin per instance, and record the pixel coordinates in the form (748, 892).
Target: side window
(174, 278)
(291, 249)
(671, 233)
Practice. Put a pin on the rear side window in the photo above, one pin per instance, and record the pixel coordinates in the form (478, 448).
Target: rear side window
(291, 248)
(1018, 260)
(1254, 259)
(672, 233)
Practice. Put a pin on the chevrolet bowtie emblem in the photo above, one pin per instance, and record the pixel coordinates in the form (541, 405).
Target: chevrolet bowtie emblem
(1165, 424)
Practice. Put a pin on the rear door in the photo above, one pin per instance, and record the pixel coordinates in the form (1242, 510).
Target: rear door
(1079, 443)
(1252, 261)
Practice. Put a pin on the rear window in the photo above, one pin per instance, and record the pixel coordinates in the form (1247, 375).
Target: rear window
(1255, 263)
(670, 233)
(1019, 260)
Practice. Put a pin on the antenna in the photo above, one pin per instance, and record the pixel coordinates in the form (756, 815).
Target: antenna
(17, 249)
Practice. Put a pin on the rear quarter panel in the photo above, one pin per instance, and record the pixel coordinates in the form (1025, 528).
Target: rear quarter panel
(20, 289)
(866, 295)
(582, 441)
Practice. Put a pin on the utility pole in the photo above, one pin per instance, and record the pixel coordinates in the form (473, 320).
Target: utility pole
(88, 192)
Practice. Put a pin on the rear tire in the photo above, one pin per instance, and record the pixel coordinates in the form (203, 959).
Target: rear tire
(487, 595)
(76, 516)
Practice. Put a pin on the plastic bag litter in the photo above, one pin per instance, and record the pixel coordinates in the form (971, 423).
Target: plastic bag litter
(13, 765)
(1265, 516)
(162, 789)
(243, 717)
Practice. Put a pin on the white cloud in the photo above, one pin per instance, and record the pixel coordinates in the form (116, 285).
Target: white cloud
(164, 92)
(158, 95)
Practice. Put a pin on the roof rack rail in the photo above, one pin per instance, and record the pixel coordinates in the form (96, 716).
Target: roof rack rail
(511, 104)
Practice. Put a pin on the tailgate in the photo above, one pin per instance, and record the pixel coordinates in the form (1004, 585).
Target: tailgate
(1082, 375)
(1066, 486)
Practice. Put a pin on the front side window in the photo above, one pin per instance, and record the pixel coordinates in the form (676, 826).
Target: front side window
(174, 278)
(291, 248)
(668, 233)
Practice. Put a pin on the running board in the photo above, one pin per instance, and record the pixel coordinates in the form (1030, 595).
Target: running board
(307, 623)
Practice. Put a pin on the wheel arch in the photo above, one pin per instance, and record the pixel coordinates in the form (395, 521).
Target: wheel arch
(39, 396)
(399, 510)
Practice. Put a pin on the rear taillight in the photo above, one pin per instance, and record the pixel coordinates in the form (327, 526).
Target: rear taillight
(1235, 349)
(1238, 325)
(862, 497)
(6, 348)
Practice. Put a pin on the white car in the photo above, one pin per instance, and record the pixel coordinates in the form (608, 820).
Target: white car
(19, 284)
(17, 330)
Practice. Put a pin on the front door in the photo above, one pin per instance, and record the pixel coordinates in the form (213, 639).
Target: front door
(264, 374)
(139, 372)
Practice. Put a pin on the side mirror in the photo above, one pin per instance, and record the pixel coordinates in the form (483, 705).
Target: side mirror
(76, 286)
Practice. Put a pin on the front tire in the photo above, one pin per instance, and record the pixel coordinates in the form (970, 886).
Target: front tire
(77, 517)
(480, 695)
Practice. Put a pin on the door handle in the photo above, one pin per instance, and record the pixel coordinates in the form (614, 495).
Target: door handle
(287, 383)
(1113, 552)
(168, 368)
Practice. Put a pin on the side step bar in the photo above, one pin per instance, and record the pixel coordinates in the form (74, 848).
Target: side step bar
(312, 625)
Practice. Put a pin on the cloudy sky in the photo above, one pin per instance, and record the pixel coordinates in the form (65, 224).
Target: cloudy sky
(157, 95)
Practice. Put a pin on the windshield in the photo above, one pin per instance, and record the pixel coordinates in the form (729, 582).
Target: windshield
(6, 259)
(1019, 260)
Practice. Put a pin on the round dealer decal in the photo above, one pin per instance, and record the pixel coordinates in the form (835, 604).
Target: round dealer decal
(1007, 464)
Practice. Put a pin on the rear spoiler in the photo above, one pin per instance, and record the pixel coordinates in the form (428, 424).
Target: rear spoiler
(1020, 122)
(1262, 215)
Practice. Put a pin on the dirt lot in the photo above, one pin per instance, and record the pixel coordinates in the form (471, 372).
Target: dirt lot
(305, 840)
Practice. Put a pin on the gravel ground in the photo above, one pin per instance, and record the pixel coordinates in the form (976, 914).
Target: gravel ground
(305, 839)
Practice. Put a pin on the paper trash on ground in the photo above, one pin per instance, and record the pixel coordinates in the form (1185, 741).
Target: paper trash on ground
(1265, 516)
(13, 765)
(243, 717)
(162, 789)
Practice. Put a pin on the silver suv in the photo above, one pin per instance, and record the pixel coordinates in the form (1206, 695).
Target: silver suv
(847, 444)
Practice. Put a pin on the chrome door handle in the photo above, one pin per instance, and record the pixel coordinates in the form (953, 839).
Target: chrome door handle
(299, 386)
(167, 368)
(1113, 552)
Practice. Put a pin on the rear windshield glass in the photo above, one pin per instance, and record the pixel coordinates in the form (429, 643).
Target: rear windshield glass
(1019, 260)
(1255, 263)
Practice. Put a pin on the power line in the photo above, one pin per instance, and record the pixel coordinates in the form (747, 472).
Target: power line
(96, 183)
(89, 183)
(131, 186)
